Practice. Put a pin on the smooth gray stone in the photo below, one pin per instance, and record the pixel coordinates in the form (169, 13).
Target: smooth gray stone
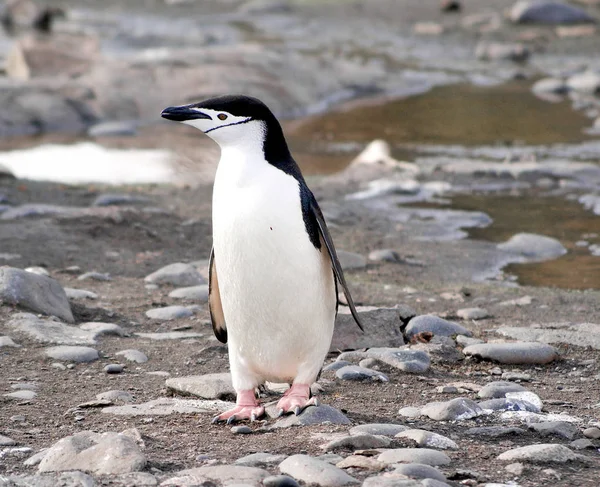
(6, 341)
(192, 293)
(516, 376)
(133, 356)
(514, 353)
(209, 386)
(322, 414)
(99, 328)
(473, 313)
(134, 479)
(171, 335)
(549, 13)
(338, 364)
(331, 458)
(533, 248)
(178, 274)
(280, 481)
(37, 293)
(381, 429)
(49, 331)
(113, 128)
(550, 86)
(581, 444)
(168, 405)
(109, 199)
(99, 453)
(562, 429)
(383, 328)
(35, 459)
(592, 432)
(407, 360)
(429, 439)
(113, 368)
(457, 409)
(587, 82)
(391, 479)
(420, 471)
(315, 472)
(494, 431)
(115, 396)
(169, 313)
(436, 325)
(65, 479)
(351, 260)
(358, 442)
(24, 395)
(6, 441)
(580, 334)
(241, 430)
(217, 475)
(355, 372)
(384, 255)
(96, 276)
(72, 353)
(36, 209)
(466, 341)
(499, 389)
(506, 404)
(73, 293)
(542, 453)
(425, 456)
(260, 460)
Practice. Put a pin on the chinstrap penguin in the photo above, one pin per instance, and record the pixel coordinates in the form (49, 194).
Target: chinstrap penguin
(273, 267)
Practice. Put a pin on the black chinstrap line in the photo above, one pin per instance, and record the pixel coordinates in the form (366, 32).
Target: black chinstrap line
(230, 124)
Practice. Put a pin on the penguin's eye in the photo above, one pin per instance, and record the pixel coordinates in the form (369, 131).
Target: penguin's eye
(222, 116)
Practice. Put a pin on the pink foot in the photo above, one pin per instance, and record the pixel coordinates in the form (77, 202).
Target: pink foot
(295, 399)
(247, 407)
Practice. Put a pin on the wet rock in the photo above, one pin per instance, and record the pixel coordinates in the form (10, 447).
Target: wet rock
(218, 475)
(170, 335)
(554, 86)
(113, 368)
(322, 414)
(592, 432)
(361, 462)
(542, 453)
(280, 481)
(23, 395)
(473, 313)
(191, 293)
(499, 389)
(457, 409)
(533, 248)
(209, 386)
(384, 255)
(99, 453)
(355, 372)
(108, 199)
(424, 456)
(562, 429)
(496, 51)
(494, 431)
(548, 12)
(316, 472)
(169, 313)
(514, 353)
(580, 334)
(133, 356)
(72, 353)
(167, 405)
(358, 442)
(37, 293)
(79, 294)
(434, 324)
(350, 260)
(260, 460)
(380, 429)
(6, 341)
(177, 274)
(420, 471)
(115, 396)
(429, 439)
(413, 361)
(382, 328)
(112, 129)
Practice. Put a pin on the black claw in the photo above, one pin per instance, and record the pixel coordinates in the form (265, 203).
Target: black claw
(297, 410)
(216, 420)
(252, 417)
(316, 402)
(280, 413)
(231, 419)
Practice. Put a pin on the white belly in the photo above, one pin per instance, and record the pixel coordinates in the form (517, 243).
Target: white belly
(277, 289)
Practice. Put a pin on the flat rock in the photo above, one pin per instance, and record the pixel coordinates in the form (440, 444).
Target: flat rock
(33, 292)
(357, 373)
(494, 431)
(94, 276)
(6, 441)
(72, 353)
(133, 356)
(99, 328)
(358, 442)
(167, 405)
(384, 255)
(65, 479)
(425, 456)
(73, 293)
(436, 325)
(533, 248)
(499, 389)
(322, 414)
(514, 353)
(350, 260)
(169, 313)
(23, 395)
(457, 409)
(473, 313)
(592, 432)
(209, 386)
(581, 334)
(420, 471)
(363, 463)
(562, 429)
(382, 328)
(542, 453)
(381, 429)
(171, 335)
(412, 361)
(115, 396)
(338, 364)
(581, 444)
(108, 199)
(50, 331)
(550, 86)
(315, 472)
(392, 479)
(218, 475)
(99, 453)
(260, 460)
(177, 274)
(548, 12)
(6, 341)
(198, 294)
(429, 439)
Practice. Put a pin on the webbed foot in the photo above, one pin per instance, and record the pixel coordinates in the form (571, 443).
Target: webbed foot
(247, 407)
(296, 399)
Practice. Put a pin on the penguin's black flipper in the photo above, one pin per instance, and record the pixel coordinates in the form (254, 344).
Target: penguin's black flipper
(335, 263)
(214, 301)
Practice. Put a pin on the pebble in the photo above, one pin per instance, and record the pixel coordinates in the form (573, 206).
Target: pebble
(40, 271)
(72, 353)
(384, 255)
(133, 355)
(191, 293)
(380, 429)
(109, 199)
(355, 372)
(280, 481)
(532, 247)
(6, 341)
(457, 409)
(548, 12)
(473, 313)
(362, 462)
(541, 453)
(322, 414)
(332, 458)
(241, 430)
(358, 442)
(177, 274)
(6, 441)
(550, 85)
(73, 293)
(592, 432)
(526, 396)
(230, 475)
(209, 386)
(515, 468)
(434, 324)
(410, 412)
(169, 313)
(413, 361)
(499, 389)
(581, 444)
(103, 329)
(562, 429)
(466, 341)
(516, 376)
(420, 471)
(40, 294)
(260, 459)
(115, 396)
(424, 456)
(514, 353)
(96, 276)
(171, 335)
(429, 439)
(315, 472)
(494, 431)
(113, 368)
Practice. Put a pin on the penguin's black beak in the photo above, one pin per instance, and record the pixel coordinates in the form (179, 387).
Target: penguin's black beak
(181, 114)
